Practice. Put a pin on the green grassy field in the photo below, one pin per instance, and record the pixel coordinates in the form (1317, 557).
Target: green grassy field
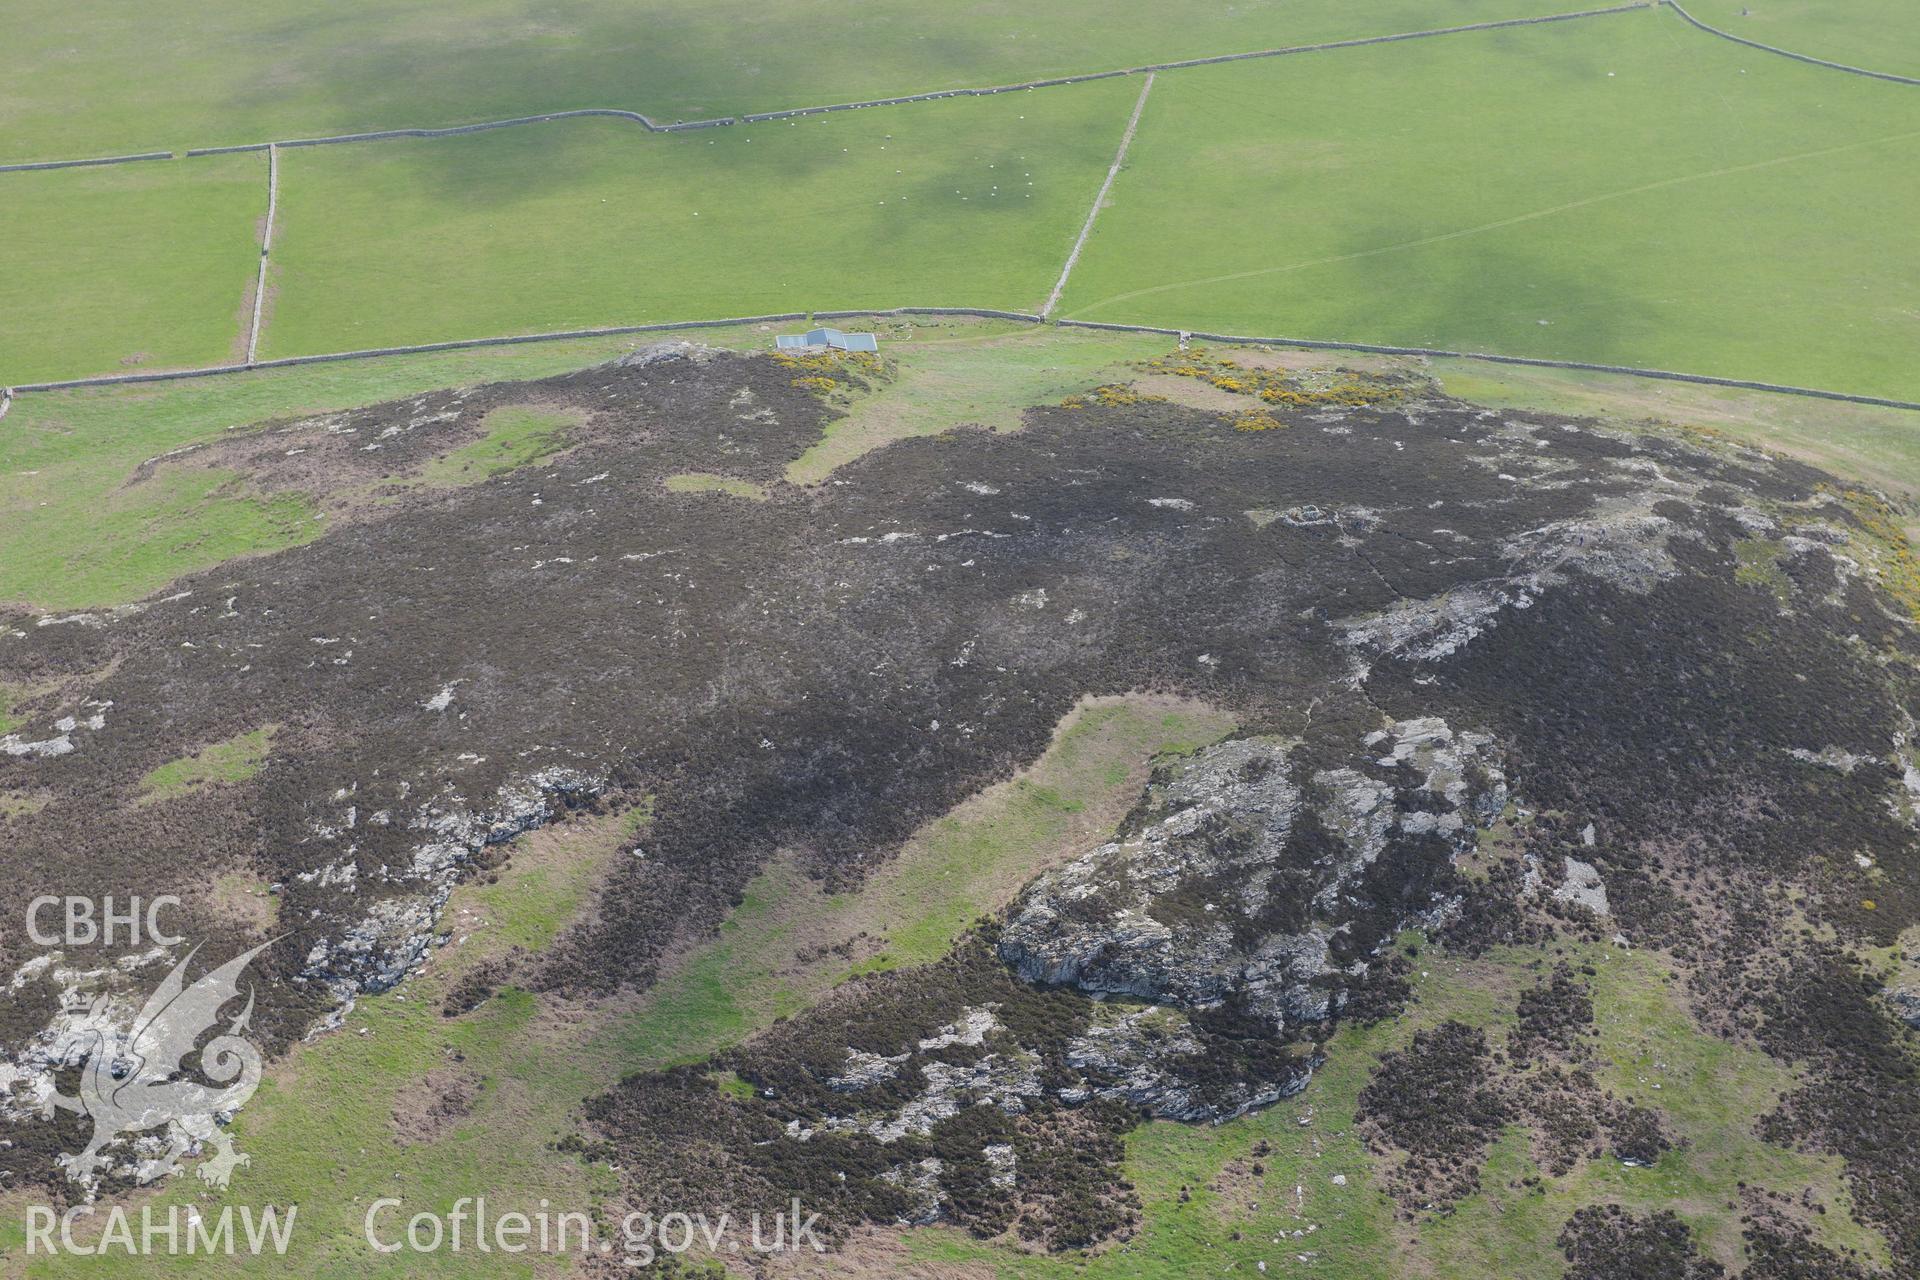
(144, 266)
(109, 78)
(1623, 190)
(587, 223)
(75, 533)
(1879, 35)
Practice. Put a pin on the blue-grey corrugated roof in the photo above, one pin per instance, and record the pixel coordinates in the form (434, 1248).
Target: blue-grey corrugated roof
(833, 339)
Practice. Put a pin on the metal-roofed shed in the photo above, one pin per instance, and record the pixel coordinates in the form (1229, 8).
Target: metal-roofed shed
(828, 339)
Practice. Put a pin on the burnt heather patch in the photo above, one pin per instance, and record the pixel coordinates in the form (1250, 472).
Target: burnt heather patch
(1453, 612)
(1608, 1243)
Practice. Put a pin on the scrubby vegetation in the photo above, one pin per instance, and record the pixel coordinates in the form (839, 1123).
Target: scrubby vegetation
(1608, 1243)
(1109, 396)
(1436, 1102)
(1278, 387)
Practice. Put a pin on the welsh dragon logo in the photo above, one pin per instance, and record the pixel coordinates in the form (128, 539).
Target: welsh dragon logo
(136, 1080)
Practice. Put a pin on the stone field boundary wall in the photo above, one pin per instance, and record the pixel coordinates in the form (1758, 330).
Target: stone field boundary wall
(793, 317)
(680, 126)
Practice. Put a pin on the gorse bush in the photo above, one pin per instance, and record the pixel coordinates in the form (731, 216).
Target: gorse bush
(1278, 387)
(1111, 395)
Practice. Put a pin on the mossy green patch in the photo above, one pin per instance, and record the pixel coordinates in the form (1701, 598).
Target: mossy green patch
(730, 1083)
(20, 804)
(710, 482)
(1758, 565)
(234, 760)
(1890, 549)
(243, 896)
(514, 436)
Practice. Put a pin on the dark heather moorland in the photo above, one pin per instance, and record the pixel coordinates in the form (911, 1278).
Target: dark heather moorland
(1657, 664)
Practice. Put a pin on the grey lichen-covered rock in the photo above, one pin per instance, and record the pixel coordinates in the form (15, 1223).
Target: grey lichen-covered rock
(377, 947)
(664, 352)
(865, 1070)
(1622, 542)
(1241, 879)
(921, 1181)
(1141, 1055)
(1007, 1077)
(1583, 887)
(1906, 1005)
(1004, 1162)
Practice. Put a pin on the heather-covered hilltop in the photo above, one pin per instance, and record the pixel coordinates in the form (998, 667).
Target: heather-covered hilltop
(1527, 708)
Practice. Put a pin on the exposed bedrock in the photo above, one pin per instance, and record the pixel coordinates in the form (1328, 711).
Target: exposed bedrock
(1245, 873)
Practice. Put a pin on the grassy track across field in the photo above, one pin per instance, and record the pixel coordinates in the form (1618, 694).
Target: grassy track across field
(110, 77)
(1620, 192)
(138, 266)
(589, 222)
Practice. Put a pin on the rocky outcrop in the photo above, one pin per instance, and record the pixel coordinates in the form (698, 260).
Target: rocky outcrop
(1241, 881)
(376, 948)
(1141, 1057)
(1624, 543)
